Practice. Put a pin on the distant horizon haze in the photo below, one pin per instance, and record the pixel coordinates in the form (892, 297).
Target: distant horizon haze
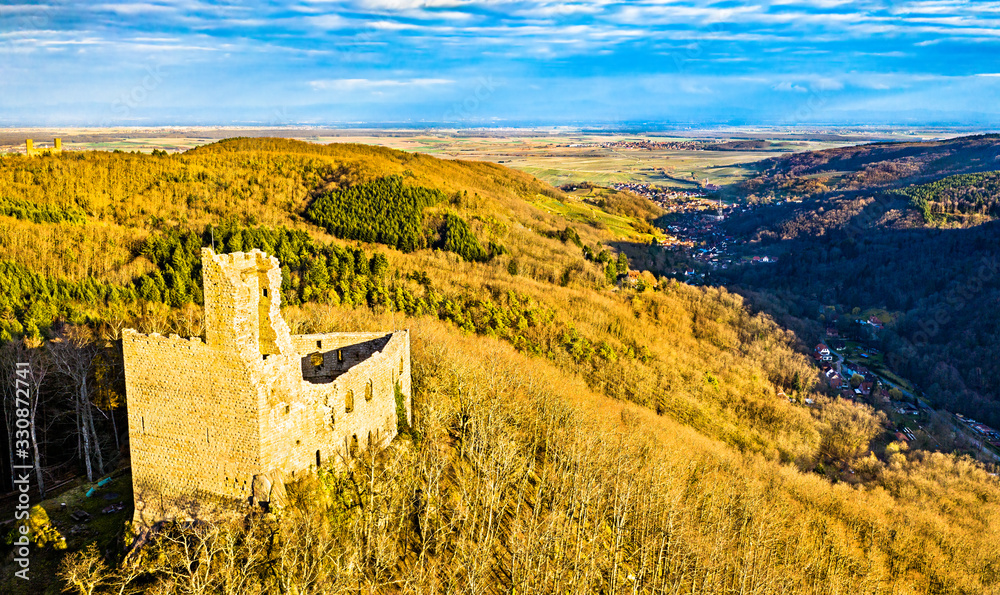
(478, 63)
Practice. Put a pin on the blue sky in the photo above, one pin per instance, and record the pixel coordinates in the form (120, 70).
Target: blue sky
(498, 62)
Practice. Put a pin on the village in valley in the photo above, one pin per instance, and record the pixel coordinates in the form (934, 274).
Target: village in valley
(854, 369)
(693, 226)
(852, 366)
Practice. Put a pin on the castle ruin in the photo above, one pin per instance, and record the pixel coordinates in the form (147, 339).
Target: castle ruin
(31, 151)
(231, 418)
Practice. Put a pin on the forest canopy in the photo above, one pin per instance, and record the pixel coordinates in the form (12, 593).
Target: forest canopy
(384, 211)
(569, 435)
(966, 194)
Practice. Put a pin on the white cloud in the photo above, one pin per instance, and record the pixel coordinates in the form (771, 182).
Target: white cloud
(326, 22)
(788, 86)
(827, 84)
(135, 8)
(411, 4)
(360, 84)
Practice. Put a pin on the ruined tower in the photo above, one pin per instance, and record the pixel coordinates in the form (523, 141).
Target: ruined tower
(31, 151)
(230, 419)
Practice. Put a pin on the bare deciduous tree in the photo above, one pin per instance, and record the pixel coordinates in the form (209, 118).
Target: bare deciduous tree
(39, 367)
(73, 355)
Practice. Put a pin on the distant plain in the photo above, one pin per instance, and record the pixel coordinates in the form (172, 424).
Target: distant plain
(557, 156)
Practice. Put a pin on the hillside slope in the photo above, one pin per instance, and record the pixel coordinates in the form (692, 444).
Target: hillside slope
(876, 165)
(571, 435)
(920, 245)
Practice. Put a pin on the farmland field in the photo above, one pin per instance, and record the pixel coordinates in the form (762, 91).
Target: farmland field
(555, 155)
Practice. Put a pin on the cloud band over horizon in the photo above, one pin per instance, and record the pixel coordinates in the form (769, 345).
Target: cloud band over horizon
(498, 62)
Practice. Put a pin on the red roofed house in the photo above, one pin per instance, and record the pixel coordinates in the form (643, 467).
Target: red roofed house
(822, 353)
(835, 379)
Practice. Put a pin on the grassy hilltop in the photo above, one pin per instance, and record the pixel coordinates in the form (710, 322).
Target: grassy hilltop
(571, 435)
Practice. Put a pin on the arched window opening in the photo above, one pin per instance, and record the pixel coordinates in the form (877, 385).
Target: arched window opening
(349, 402)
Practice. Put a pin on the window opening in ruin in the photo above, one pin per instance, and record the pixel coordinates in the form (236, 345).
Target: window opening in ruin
(340, 356)
(316, 359)
(369, 439)
(298, 442)
(319, 344)
(333, 420)
(368, 391)
(401, 364)
(207, 439)
(264, 291)
(354, 445)
(288, 409)
(143, 419)
(318, 459)
(349, 402)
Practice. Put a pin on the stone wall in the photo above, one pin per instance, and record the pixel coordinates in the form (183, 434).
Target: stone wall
(192, 413)
(328, 356)
(227, 419)
(331, 417)
(243, 303)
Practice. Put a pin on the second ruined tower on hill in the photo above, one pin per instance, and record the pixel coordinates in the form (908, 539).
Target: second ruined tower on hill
(234, 417)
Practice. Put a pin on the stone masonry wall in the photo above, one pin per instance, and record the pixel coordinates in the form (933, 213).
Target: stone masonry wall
(334, 354)
(191, 416)
(223, 420)
(297, 422)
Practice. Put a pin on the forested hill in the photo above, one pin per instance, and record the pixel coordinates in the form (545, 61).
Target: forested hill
(874, 166)
(266, 180)
(577, 429)
(899, 227)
